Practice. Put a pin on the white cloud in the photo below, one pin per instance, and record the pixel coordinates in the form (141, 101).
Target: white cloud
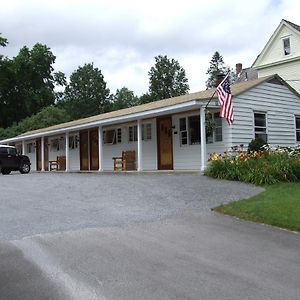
(122, 37)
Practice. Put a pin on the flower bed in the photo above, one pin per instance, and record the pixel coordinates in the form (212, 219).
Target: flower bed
(268, 166)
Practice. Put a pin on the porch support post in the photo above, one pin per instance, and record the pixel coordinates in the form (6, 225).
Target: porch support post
(67, 152)
(203, 138)
(139, 136)
(23, 147)
(43, 153)
(100, 146)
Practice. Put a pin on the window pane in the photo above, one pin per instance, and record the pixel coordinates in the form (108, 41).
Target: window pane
(260, 120)
(219, 135)
(286, 46)
(297, 122)
(298, 136)
(262, 135)
(12, 151)
(194, 129)
(182, 124)
(3, 150)
(109, 136)
(183, 137)
(218, 128)
(119, 135)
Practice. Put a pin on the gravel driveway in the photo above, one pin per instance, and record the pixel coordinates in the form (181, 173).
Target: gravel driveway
(54, 202)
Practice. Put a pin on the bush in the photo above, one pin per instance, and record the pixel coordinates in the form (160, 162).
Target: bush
(259, 167)
(256, 144)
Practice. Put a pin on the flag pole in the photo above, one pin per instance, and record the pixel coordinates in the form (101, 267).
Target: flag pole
(216, 90)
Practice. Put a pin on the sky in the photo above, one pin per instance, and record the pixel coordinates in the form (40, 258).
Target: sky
(122, 38)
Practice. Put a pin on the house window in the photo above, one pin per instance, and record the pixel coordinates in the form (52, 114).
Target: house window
(109, 136)
(194, 130)
(112, 136)
(119, 135)
(286, 46)
(132, 133)
(73, 142)
(29, 148)
(183, 131)
(146, 132)
(218, 128)
(260, 126)
(298, 128)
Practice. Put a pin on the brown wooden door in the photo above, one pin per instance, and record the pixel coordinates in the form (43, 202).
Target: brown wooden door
(38, 154)
(164, 143)
(46, 154)
(84, 151)
(94, 150)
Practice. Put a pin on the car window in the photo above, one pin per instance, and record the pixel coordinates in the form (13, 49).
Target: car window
(12, 151)
(3, 150)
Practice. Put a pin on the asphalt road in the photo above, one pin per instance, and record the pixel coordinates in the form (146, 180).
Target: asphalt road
(178, 250)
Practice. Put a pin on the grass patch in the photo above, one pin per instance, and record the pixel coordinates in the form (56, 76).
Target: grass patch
(279, 206)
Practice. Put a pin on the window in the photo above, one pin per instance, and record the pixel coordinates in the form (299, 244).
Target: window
(218, 128)
(3, 150)
(286, 46)
(29, 148)
(73, 142)
(298, 128)
(109, 136)
(119, 135)
(260, 126)
(112, 136)
(183, 131)
(57, 144)
(146, 132)
(132, 133)
(194, 130)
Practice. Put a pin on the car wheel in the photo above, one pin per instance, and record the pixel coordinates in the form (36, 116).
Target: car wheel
(25, 168)
(5, 171)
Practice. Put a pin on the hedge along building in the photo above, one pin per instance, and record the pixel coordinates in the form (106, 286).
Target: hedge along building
(169, 134)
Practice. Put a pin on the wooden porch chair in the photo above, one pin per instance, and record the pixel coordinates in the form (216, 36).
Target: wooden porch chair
(126, 162)
(58, 165)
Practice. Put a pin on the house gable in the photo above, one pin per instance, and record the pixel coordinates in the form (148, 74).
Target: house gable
(273, 52)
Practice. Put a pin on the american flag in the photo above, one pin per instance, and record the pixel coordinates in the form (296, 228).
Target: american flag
(225, 99)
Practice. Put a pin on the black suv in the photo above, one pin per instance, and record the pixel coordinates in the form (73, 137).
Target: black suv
(10, 160)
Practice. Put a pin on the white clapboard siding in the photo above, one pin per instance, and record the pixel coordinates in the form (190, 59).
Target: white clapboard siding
(188, 157)
(149, 148)
(289, 71)
(278, 102)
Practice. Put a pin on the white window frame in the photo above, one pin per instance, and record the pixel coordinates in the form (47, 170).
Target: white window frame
(297, 129)
(286, 49)
(132, 137)
(183, 132)
(146, 131)
(116, 137)
(263, 127)
(29, 148)
(73, 142)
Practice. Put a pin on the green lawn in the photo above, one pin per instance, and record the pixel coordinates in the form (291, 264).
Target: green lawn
(279, 205)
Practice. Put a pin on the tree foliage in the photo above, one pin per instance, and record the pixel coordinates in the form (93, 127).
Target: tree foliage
(86, 94)
(167, 79)
(48, 116)
(124, 98)
(27, 83)
(216, 67)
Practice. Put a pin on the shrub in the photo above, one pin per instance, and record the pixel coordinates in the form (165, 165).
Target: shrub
(256, 144)
(259, 167)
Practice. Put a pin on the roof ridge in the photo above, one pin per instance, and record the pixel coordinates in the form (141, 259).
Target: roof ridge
(295, 26)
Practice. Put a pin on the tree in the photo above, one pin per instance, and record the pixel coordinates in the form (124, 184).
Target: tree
(124, 98)
(48, 116)
(145, 98)
(26, 83)
(216, 68)
(86, 94)
(167, 79)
